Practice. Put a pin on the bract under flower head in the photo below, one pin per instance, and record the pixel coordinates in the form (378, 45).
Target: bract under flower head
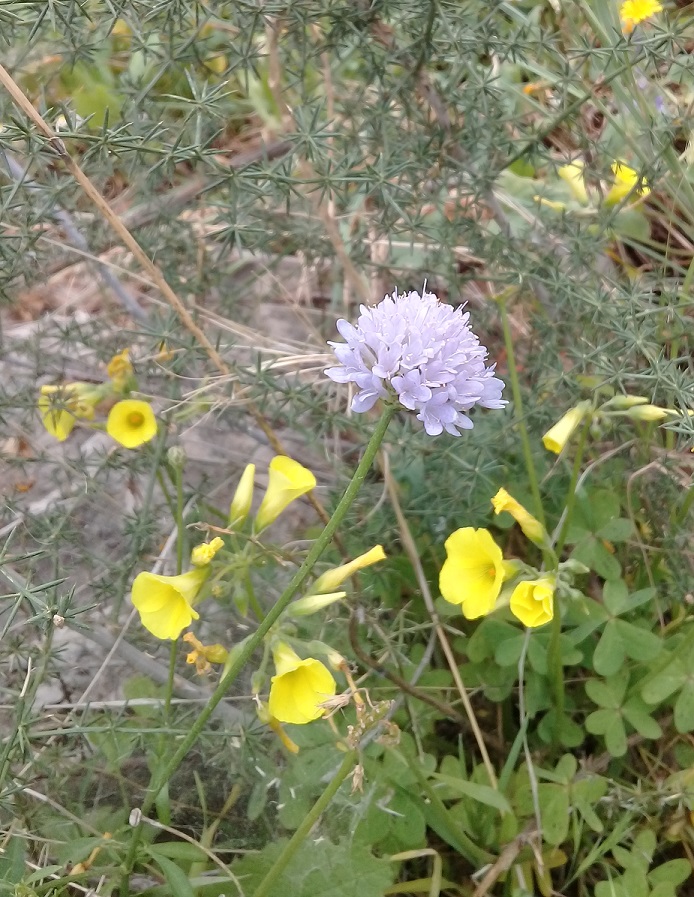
(473, 571)
(131, 423)
(166, 603)
(424, 352)
(532, 601)
(299, 687)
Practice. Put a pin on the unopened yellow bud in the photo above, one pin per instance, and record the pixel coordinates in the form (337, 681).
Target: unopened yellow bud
(572, 174)
(556, 438)
(119, 369)
(311, 604)
(332, 579)
(243, 498)
(204, 655)
(201, 555)
(530, 525)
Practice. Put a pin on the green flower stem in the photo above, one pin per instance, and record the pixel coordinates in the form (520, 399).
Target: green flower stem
(556, 669)
(304, 829)
(180, 532)
(319, 546)
(518, 407)
(253, 599)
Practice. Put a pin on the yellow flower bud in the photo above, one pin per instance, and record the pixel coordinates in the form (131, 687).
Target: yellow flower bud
(332, 579)
(203, 656)
(119, 369)
(556, 438)
(572, 174)
(243, 498)
(311, 604)
(288, 480)
(532, 601)
(649, 413)
(530, 525)
(201, 555)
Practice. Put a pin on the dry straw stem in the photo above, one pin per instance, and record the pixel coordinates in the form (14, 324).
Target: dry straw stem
(23, 103)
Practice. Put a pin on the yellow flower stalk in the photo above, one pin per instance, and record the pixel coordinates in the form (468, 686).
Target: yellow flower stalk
(288, 480)
(556, 438)
(266, 717)
(532, 601)
(333, 579)
(531, 526)
(633, 12)
(61, 406)
(627, 181)
(131, 423)
(243, 498)
(298, 687)
(166, 603)
(203, 656)
(120, 369)
(473, 571)
(572, 174)
(201, 555)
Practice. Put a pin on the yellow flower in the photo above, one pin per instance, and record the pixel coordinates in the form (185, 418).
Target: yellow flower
(556, 438)
(120, 370)
(299, 687)
(473, 571)
(201, 555)
(332, 579)
(287, 480)
(61, 405)
(532, 601)
(165, 603)
(243, 498)
(203, 656)
(572, 174)
(627, 181)
(632, 12)
(131, 423)
(530, 525)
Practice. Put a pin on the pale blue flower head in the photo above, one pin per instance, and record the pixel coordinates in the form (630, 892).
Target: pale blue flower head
(422, 351)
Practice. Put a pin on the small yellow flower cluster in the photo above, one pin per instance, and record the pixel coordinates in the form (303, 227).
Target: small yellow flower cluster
(130, 422)
(474, 571)
(167, 604)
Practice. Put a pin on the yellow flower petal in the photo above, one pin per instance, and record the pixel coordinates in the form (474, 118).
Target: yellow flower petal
(627, 182)
(473, 571)
(165, 603)
(298, 687)
(287, 480)
(532, 601)
(131, 423)
(633, 12)
(530, 525)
